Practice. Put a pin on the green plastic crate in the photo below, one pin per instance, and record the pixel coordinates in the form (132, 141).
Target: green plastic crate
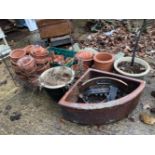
(66, 53)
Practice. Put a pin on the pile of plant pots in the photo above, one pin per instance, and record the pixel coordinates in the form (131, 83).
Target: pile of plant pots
(29, 62)
(101, 60)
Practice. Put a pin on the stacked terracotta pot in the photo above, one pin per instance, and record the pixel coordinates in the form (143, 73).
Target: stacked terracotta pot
(29, 62)
(41, 58)
(85, 60)
(15, 55)
(27, 66)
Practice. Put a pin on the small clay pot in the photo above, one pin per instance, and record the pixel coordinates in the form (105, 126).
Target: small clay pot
(16, 54)
(104, 61)
(39, 52)
(29, 49)
(86, 57)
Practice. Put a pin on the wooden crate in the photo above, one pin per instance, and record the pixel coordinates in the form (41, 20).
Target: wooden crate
(54, 28)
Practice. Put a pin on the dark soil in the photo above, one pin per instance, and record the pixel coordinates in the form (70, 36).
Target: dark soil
(135, 69)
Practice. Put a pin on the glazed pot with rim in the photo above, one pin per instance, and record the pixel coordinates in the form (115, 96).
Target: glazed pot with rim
(27, 63)
(134, 75)
(86, 57)
(104, 61)
(16, 54)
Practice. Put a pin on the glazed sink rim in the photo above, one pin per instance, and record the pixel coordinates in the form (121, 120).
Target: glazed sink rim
(110, 104)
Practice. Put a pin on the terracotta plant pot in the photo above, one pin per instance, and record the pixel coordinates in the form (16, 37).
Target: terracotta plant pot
(29, 49)
(27, 63)
(104, 61)
(42, 61)
(86, 57)
(16, 54)
(39, 52)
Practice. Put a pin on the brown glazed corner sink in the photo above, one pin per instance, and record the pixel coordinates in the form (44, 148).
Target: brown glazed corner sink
(103, 112)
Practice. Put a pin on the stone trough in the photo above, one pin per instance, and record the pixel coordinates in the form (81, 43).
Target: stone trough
(106, 111)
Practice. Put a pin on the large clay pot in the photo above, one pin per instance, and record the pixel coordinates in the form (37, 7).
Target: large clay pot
(86, 57)
(16, 54)
(104, 61)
